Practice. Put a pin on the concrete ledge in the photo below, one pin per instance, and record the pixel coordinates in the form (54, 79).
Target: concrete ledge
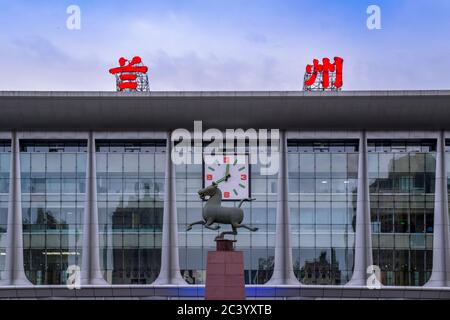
(197, 292)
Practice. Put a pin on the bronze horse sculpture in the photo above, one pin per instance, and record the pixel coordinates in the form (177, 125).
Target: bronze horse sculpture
(213, 212)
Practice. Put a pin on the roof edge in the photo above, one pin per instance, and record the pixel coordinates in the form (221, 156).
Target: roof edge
(100, 94)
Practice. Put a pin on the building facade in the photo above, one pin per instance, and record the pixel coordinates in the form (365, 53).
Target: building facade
(88, 188)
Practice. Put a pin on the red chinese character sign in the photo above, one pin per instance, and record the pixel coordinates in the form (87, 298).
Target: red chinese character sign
(325, 76)
(131, 75)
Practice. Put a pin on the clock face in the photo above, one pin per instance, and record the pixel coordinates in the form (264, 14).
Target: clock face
(231, 175)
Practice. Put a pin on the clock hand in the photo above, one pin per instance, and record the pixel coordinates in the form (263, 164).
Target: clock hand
(227, 172)
(221, 180)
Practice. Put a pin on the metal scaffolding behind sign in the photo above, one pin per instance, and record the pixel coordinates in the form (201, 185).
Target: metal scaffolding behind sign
(131, 75)
(324, 77)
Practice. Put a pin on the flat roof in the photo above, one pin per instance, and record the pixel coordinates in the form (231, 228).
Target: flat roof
(168, 110)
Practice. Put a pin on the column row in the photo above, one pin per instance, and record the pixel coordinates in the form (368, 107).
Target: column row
(336, 214)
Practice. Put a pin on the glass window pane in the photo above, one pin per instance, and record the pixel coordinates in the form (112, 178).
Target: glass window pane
(115, 163)
(397, 209)
(52, 225)
(69, 162)
(38, 163)
(130, 163)
(131, 212)
(326, 211)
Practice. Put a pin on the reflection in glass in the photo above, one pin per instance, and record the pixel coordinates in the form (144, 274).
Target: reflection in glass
(447, 166)
(130, 188)
(401, 183)
(53, 189)
(322, 201)
(258, 247)
(5, 158)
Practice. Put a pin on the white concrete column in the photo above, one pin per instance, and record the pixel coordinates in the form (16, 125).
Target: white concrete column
(14, 269)
(363, 232)
(170, 264)
(283, 272)
(440, 276)
(90, 255)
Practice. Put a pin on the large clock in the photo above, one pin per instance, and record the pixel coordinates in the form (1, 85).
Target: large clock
(231, 175)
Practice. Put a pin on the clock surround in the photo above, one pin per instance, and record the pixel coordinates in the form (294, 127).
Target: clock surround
(236, 189)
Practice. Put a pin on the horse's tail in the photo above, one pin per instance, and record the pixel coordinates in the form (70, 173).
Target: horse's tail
(246, 199)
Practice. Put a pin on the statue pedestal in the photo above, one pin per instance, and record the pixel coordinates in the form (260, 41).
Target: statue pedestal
(225, 273)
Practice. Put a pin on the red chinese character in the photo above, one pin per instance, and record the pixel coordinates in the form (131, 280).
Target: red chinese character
(128, 72)
(325, 68)
(226, 194)
(209, 177)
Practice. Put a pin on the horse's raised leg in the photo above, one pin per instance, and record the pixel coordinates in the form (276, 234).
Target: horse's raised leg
(208, 224)
(189, 226)
(234, 232)
(237, 225)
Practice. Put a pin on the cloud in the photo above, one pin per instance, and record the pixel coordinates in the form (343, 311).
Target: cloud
(191, 71)
(40, 50)
(256, 38)
(36, 63)
(186, 50)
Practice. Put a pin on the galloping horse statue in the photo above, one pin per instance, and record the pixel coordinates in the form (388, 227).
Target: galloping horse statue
(213, 212)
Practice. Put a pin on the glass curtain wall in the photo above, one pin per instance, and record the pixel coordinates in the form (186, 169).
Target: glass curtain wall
(53, 177)
(402, 183)
(5, 160)
(447, 168)
(258, 247)
(130, 196)
(322, 200)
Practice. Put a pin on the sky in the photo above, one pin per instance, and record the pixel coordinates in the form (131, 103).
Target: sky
(225, 45)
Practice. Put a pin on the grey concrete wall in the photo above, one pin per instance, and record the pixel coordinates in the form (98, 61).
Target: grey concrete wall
(346, 110)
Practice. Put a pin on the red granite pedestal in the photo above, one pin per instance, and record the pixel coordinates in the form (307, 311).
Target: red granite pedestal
(225, 273)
